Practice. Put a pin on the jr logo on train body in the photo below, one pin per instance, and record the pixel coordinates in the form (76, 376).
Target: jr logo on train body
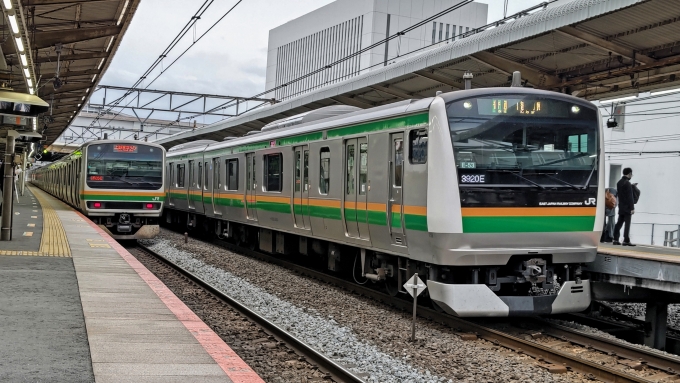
(591, 202)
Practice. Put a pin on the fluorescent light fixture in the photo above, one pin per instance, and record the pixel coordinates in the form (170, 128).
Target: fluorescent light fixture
(30, 90)
(100, 64)
(7, 3)
(29, 82)
(617, 99)
(27, 73)
(13, 23)
(88, 90)
(79, 105)
(120, 18)
(94, 77)
(20, 44)
(667, 91)
(24, 62)
(83, 99)
(110, 43)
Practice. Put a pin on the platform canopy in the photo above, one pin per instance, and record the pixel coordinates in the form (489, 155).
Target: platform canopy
(86, 32)
(594, 49)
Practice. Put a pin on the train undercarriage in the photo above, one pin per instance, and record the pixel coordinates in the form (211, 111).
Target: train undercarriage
(526, 285)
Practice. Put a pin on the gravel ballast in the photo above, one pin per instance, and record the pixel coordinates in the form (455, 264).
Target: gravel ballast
(364, 335)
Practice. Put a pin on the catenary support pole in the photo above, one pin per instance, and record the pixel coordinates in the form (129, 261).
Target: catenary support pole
(7, 189)
(656, 315)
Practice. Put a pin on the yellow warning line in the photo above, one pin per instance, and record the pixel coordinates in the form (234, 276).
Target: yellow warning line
(53, 242)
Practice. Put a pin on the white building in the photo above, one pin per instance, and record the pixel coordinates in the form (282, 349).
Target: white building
(345, 27)
(647, 140)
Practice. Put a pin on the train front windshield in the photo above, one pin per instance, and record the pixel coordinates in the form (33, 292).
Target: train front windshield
(519, 150)
(124, 166)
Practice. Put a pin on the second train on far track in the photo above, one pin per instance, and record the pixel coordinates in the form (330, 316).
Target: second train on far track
(494, 196)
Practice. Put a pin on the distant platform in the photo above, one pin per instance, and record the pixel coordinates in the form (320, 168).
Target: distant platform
(77, 307)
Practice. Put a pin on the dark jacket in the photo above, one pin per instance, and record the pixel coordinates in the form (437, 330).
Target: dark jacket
(624, 190)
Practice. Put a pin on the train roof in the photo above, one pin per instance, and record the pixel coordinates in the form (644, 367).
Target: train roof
(78, 151)
(361, 116)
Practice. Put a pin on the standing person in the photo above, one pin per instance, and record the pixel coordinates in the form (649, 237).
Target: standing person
(626, 207)
(610, 213)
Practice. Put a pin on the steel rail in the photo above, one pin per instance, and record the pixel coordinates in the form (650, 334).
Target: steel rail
(558, 361)
(665, 362)
(325, 364)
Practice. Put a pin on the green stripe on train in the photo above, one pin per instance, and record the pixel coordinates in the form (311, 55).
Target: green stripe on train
(399, 122)
(528, 224)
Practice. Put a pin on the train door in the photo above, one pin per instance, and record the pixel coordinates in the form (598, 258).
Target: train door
(395, 206)
(217, 185)
(251, 186)
(76, 187)
(191, 186)
(171, 183)
(356, 187)
(301, 188)
(206, 185)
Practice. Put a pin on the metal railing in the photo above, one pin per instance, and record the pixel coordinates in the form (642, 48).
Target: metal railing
(671, 238)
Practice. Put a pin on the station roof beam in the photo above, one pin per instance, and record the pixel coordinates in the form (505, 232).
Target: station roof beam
(606, 45)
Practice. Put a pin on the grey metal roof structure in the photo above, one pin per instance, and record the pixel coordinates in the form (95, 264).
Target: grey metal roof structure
(588, 48)
(87, 33)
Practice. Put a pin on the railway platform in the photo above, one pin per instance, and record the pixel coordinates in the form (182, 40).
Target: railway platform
(645, 274)
(76, 306)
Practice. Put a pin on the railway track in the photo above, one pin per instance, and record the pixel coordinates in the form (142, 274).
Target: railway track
(663, 367)
(325, 364)
(556, 348)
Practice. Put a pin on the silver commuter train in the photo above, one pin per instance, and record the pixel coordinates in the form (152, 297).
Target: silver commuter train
(492, 195)
(118, 184)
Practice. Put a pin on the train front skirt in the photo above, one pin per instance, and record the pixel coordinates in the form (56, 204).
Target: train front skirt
(477, 300)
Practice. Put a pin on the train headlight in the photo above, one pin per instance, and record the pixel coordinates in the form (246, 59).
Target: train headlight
(575, 109)
(467, 105)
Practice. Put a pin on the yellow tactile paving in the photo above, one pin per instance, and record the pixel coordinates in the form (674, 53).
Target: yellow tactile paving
(53, 242)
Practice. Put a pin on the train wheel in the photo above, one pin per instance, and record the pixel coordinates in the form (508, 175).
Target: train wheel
(392, 286)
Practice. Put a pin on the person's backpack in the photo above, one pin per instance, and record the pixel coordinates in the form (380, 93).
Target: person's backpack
(636, 193)
(609, 200)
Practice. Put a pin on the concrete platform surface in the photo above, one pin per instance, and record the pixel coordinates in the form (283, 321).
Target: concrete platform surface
(95, 313)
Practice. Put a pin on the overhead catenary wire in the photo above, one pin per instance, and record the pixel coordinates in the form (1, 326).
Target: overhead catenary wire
(187, 27)
(173, 62)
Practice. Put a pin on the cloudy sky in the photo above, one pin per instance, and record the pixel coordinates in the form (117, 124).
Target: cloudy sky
(231, 59)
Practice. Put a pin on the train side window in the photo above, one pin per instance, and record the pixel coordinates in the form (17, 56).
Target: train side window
(363, 168)
(217, 179)
(417, 146)
(206, 171)
(180, 175)
(398, 161)
(192, 174)
(171, 176)
(199, 181)
(325, 171)
(350, 170)
(273, 169)
(232, 174)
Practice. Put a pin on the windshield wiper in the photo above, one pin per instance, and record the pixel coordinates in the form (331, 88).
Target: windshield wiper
(124, 180)
(558, 161)
(586, 186)
(561, 181)
(518, 175)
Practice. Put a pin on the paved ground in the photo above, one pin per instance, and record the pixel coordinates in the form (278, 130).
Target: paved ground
(25, 228)
(43, 329)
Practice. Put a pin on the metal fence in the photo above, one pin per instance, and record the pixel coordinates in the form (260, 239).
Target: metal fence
(671, 237)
